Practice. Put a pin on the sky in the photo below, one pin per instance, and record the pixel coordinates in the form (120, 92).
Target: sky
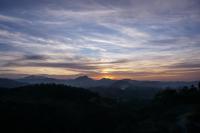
(117, 39)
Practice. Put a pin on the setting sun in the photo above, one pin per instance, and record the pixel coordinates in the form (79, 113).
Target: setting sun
(107, 76)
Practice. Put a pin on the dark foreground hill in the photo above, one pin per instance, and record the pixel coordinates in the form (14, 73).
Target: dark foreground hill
(58, 108)
(51, 108)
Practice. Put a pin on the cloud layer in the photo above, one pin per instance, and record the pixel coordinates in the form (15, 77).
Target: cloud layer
(154, 40)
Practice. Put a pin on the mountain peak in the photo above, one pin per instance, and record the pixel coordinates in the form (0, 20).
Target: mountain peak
(85, 77)
(105, 79)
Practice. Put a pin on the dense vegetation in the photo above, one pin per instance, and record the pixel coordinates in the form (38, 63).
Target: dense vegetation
(64, 109)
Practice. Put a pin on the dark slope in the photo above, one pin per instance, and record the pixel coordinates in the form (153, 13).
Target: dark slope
(40, 79)
(127, 90)
(58, 108)
(54, 108)
(86, 82)
(9, 83)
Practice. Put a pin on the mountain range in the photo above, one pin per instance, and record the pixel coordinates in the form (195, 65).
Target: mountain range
(123, 89)
(87, 82)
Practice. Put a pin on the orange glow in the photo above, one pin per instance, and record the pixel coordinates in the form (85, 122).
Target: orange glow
(108, 76)
(107, 70)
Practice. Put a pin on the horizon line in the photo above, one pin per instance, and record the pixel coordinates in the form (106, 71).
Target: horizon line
(78, 76)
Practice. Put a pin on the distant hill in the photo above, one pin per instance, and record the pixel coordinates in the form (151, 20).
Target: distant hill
(86, 82)
(40, 79)
(121, 89)
(83, 81)
(9, 83)
(127, 90)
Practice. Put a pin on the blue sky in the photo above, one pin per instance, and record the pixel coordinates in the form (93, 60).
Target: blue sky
(137, 39)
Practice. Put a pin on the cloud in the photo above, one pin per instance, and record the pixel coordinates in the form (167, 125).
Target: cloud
(4, 18)
(133, 37)
(34, 57)
(75, 66)
(186, 65)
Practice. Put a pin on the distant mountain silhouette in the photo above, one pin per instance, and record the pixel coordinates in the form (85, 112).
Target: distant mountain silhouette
(39, 79)
(122, 84)
(83, 78)
(9, 83)
(86, 82)
(125, 88)
(82, 81)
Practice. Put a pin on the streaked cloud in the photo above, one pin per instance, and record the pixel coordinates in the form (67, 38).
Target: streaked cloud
(154, 40)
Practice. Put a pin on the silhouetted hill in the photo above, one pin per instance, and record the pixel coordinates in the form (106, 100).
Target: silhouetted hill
(51, 108)
(122, 84)
(39, 79)
(119, 89)
(86, 82)
(106, 81)
(9, 83)
(59, 108)
(126, 90)
(49, 93)
(82, 78)
(106, 87)
(83, 81)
